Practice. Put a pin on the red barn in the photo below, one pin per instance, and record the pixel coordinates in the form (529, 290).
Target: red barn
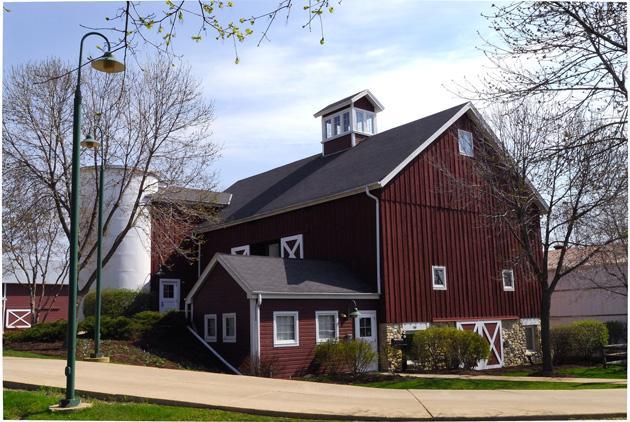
(370, 224)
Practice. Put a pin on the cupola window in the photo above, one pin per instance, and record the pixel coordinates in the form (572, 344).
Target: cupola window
(365, 121)
(337, 124)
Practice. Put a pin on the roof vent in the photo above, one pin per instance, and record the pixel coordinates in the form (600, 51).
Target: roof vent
(347, 122)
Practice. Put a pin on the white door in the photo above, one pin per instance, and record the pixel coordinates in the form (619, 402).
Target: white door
(169, 294)
(365, 329)
(491, 331)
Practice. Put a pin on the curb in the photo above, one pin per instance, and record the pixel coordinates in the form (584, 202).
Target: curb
(297, 415)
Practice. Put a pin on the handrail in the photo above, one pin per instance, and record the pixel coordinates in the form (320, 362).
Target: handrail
(225, 362)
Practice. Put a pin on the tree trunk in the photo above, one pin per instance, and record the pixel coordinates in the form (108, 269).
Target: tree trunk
(545, 331)
(33, 311)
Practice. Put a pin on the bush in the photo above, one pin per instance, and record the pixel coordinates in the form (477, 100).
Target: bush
(447, 348)
(44, 332)
(118, 302)
(617, 332)
(579, 341)
(347, 356)
(138, 326)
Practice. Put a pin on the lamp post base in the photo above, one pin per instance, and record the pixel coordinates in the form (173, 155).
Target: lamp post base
(97, 358)
(69, 406)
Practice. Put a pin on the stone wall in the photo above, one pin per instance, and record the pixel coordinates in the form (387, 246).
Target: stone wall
(390, 359)
(514, 344)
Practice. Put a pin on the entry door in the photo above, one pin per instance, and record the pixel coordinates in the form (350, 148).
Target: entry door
(491, 331)
(365, 329)
(169, 295)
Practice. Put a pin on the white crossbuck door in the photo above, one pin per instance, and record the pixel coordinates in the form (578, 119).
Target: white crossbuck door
(17, 318)
(491, 331)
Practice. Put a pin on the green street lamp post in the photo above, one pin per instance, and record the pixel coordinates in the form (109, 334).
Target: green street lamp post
(107, 64)
(94, 143)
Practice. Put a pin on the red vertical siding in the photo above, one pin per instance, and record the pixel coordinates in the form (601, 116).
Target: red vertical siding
(54, 308)
(218, 295)
(428, 221)
(298, 360)
(341, 230)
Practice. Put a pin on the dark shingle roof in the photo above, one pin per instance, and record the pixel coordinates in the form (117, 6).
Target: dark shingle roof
(317, 177)
(263, 274)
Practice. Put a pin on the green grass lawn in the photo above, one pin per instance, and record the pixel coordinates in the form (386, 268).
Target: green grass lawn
(612, 372)
(20, 404)
(25, 354)
(472, 384)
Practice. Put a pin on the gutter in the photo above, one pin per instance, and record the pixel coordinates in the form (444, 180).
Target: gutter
(378, 238)
(258, 304)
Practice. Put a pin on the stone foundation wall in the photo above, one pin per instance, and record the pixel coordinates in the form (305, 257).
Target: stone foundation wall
(390, 359)
(514, 344)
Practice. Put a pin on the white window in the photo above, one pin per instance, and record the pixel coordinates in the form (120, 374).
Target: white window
(327, 325)
(292, 247)
(210, 327)
(229, 328)
(508, 280)
(364, 121)
(346, 121)
(240, 250)
(438, 275)
(286, 331)
(530, 337)
(465, 139)
(328, 128)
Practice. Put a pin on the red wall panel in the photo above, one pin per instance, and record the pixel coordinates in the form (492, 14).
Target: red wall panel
(429, 219)
(17, 297)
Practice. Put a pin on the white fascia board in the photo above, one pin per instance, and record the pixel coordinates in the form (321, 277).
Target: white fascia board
(425, 144)
(306, 204)
(283, 295)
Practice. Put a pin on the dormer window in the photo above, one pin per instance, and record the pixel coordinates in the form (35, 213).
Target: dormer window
(337, 124)
(365, 121)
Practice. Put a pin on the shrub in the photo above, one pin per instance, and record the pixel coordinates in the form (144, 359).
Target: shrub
(578, 341)
(617, 332)
(124, 328)
(259, 367)
(44, 332)
(447, 348)
(346, 356)
(118, 302)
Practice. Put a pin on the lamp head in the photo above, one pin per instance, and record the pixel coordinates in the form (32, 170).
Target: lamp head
(90, 142)
(354, 310)
(107, 63)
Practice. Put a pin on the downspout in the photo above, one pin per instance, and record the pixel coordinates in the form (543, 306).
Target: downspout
(378, 239)
(258, 304)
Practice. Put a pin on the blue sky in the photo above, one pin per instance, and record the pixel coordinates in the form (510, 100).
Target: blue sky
(406, 52)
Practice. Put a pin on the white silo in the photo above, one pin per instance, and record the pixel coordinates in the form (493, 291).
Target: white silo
(130, 266)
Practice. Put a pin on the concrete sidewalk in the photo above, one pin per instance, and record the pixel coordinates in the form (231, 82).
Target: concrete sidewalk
(310, 399)
(519, 378)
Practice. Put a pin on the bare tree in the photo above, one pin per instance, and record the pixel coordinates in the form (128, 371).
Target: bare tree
(154, 123)
(33, 251)
(569, 53)
(546, 195)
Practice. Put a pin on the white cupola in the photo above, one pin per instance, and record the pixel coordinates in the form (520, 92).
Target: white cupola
(349, 121)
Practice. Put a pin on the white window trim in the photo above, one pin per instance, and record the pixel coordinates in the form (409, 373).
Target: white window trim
(298, 247)
(505, 287)
(472, 143)
(296, 324)
(206, 318)
(238, 249)
(324, 313)
(226, 338)
(20, 321)
(437, 286)
(355, 125)
(332, 118)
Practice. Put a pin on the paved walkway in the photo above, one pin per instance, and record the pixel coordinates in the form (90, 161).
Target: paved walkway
(519, 378)
(310, 399)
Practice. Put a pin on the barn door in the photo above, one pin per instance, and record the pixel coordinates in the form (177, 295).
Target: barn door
(492, 333)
